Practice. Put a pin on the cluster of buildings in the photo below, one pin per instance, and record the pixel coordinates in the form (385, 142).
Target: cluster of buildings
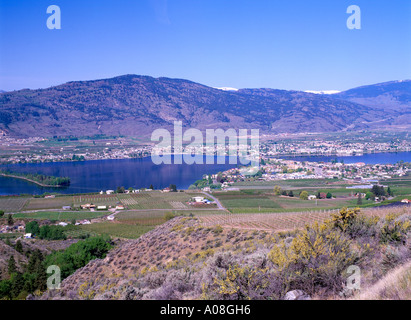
(327, 148)
(278, 169)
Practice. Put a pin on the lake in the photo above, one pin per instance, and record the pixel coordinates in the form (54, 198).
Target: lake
(94, 176)
(370, 158)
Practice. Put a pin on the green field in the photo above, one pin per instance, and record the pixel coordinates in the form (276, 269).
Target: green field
(60, 216)
(120, 230)
(264, 200)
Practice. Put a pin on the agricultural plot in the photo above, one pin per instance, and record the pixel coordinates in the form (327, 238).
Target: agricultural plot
(59, 216)
(12, 204)
(267, 221)
(114, 229)
(240, 200)
(155, 200)
(178, 205)
(142, 218)
(96, 199)
(287, 221)
(52, 203)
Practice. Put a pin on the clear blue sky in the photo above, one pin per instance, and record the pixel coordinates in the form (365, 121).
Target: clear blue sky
(293, 44)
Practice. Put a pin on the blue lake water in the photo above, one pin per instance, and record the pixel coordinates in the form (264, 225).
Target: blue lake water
(94, 176)
(371, 158)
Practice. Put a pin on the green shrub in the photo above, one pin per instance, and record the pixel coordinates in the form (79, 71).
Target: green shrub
(316, 258)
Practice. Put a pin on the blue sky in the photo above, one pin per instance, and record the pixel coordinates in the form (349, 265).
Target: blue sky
(293, 44)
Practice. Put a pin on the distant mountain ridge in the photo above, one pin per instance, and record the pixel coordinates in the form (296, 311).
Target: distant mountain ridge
(393, 98)
(135, 105)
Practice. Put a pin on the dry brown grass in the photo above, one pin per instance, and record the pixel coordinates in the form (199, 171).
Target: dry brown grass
(396, 285)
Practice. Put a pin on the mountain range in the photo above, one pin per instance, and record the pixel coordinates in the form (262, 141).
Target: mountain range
(134, 105)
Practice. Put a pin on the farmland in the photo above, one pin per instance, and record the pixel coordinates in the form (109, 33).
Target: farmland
(121, 230)
(286, 221)
(261, 200)
(139, 201)
(10, 204)
(59, 215)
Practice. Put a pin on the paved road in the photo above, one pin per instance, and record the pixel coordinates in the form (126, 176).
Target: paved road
(220, 206)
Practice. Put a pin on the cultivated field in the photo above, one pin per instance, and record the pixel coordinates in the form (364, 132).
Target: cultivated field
(113, 229)
(286, 221)
(51, 203)
(8, 204)
(60, 216)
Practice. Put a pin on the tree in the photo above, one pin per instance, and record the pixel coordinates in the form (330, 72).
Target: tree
(121, 190)
(378, 191)
(369, 196)
(19, 246)
(12, 265)
(304, 195)
(277, 190)
(5, 289)
(389, 192)
(173, 188)
(291, 194)
(1, 213)
(10, 220)
(151, 187)
(329, 195)
(33, 227)
(359, 200)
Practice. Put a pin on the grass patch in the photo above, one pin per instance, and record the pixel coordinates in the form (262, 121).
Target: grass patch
(120, 230)
(60, 216)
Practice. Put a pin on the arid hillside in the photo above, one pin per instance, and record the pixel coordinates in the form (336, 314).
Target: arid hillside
(135, 105)
(182, 259)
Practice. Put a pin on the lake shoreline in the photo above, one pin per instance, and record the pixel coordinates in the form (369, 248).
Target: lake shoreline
(29, 180)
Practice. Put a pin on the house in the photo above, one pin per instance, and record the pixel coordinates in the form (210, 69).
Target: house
(28, 236)
(405, 201)
(120, 207)
(102, 208)
(198, 199)
(66, 208)
(312, 197)
(88, 206)
(85, 222)
(110, 218)
(207, 189)
(50, 196)
(109, 191)
(63, 224)
(166, 189)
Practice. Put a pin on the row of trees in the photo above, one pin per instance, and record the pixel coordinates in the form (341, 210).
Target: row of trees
(45, 232)
(303, 194)
(172, 187)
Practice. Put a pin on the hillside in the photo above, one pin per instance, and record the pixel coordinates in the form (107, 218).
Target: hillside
(182, 259)
(394, 98)
(135, 105)
(6, 252)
